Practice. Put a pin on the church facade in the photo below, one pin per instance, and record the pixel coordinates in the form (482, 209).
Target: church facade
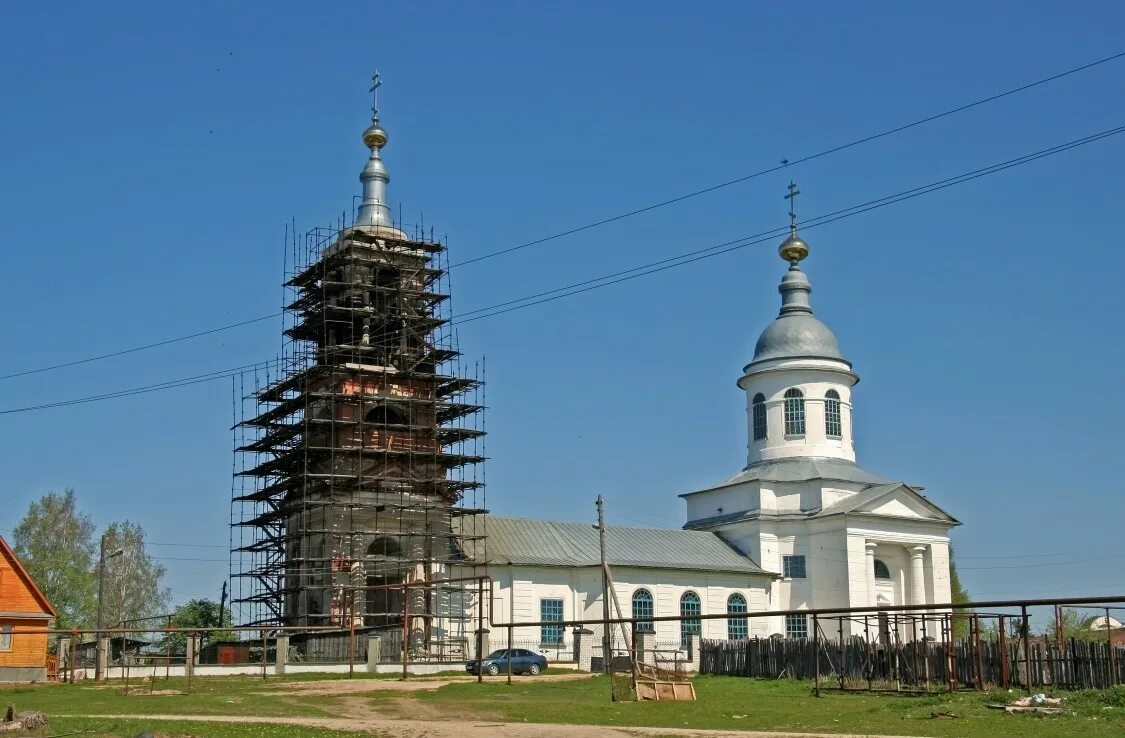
(802, 526)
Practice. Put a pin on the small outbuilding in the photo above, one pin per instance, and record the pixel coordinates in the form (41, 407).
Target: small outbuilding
(25, 615)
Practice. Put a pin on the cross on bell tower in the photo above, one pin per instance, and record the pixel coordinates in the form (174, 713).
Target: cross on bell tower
(792, 198)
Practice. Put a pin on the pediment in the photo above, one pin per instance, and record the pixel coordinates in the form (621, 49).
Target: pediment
(892, 501)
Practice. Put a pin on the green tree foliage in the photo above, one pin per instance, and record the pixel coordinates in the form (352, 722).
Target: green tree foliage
(55, 542)
(958, 594)
(133, 586)
(200, 613)
(1074, 625)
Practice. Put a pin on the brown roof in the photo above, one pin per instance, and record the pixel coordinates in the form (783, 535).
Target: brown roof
(7, 552)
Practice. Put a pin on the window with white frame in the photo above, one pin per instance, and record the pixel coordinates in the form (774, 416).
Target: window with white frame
(881, 570)
(833, 426)
(759, 412)
(737, 628)
(797, 626)
(642, 609)
(690, 604)
(793, 567)
(550, 609)
(794, 412)
(6, 638)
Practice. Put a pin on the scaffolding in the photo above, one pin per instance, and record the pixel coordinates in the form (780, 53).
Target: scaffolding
(357, 449)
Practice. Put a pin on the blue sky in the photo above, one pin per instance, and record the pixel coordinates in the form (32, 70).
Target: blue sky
(154, 153)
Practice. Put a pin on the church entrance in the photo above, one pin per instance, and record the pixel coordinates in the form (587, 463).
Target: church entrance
(385, 566)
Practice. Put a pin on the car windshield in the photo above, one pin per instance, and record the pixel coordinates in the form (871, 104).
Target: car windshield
(498, 654)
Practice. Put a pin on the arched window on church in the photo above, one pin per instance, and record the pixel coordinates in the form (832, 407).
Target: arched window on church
(689, 626)
(759, 406)
(794, 412)
(832, 425)
(642, 609)
(737, 628)
(881, 570)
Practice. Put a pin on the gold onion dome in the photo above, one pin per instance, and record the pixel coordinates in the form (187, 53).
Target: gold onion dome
(375, 137)
(793, 249)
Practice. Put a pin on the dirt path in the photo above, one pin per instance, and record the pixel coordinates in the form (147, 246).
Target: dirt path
(363, 686)
(470, 728)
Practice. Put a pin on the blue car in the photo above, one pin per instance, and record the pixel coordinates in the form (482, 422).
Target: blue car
(522, 660)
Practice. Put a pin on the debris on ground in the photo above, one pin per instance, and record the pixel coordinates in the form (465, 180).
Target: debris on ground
(942, 715)
(20, 724)
(1037, 703)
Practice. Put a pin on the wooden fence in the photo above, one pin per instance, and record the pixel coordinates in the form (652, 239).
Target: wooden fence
(855, 662)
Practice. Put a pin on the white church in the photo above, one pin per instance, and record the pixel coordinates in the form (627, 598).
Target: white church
(801, 526)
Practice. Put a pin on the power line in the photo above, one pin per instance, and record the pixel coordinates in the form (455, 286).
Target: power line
(622, 216)
(171, 384)
(724, 248)
(635, 272)
(135, 349)
(789, 163)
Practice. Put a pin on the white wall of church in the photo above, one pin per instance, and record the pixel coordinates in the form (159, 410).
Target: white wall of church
(518, 591)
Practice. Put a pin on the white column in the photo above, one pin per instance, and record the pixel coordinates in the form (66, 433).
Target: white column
(917, 575)
(870, 549)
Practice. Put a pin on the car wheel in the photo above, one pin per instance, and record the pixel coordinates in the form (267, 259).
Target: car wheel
(493, 669)
(533, 670)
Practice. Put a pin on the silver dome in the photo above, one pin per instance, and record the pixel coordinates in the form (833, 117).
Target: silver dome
(796, 333)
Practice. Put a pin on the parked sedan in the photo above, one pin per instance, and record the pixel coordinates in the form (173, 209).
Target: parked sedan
(522, 660)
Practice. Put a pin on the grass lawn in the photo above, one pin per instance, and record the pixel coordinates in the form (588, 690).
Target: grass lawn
(723, 703)
(233, 695)
(750, 704)
(89, 728)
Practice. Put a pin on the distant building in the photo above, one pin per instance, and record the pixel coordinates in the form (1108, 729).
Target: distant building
(25, 615)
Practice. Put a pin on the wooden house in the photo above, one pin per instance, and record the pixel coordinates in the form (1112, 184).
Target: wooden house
(25, 615)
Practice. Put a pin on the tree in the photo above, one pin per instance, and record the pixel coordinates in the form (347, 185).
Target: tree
(55, 542)
(201, 613)
(1074, 625)
(133, 586)
(958, 594)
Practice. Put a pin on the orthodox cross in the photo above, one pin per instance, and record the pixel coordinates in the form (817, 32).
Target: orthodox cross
(792, 198)
(376, 83)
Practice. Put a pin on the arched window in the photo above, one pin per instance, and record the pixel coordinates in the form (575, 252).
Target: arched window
(794, 412)
(690, 605)
(881, 570)
(759, 406)
(642, 609)
(737, 627)
(387, 415)
(832, 425)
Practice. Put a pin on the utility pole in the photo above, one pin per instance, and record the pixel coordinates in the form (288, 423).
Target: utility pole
(606, 639)
(222, 606)
(102, 558)
(98, 621)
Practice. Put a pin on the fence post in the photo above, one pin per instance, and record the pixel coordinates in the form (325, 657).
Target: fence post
(1026, 628)
(974, 639)
(843, 654)
(374, 652)
(73, 653)
(950, 654)
(696, 645)
(1003, 653)
(281, 654)
(816, 654)
(189, 658)
(1111, 663)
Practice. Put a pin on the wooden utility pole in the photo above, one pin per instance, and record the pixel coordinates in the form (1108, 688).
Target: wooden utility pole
(606, 640)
